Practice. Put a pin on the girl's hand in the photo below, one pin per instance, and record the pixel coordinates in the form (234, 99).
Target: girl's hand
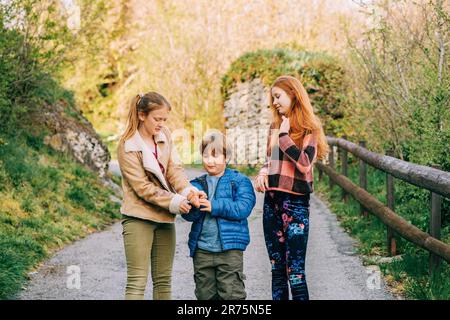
(193, 198)
(261, 183)
(285, 125)
(185, 207)
(202, 195)
(205, 205)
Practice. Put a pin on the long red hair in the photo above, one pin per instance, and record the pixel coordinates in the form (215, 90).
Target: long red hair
(301, 114)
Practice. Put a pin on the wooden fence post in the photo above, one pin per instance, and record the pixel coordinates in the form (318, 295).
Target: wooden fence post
(331, 159)
(362, 178)
(435, 226)
(344, 169)
(390, 190)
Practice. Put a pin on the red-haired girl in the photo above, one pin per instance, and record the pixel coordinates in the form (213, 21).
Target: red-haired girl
(296, 140)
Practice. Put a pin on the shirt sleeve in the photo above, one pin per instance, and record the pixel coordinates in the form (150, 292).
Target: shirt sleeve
(302, 157)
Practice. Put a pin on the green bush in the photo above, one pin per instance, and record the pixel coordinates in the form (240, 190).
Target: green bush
(25, 83)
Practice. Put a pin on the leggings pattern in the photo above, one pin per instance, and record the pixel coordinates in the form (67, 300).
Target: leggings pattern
(286, 227)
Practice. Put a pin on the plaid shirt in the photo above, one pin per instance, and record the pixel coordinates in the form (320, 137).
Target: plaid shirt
(289, 168)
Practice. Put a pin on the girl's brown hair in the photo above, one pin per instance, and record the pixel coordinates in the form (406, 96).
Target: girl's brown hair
(144, 103)
(301, 114)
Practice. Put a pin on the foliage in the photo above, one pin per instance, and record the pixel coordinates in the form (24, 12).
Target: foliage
(402, 79)
(48, 201)
(35, 45)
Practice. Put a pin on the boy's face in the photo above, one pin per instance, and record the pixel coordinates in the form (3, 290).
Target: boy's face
(214, 161)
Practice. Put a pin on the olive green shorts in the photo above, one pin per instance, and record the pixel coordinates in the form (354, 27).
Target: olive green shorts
(219, 275)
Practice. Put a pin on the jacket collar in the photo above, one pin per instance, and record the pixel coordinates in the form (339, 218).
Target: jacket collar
(160, 137)
(136, 143)
(202, 179)
(228, 172)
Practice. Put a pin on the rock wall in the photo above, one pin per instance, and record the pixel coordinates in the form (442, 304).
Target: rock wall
(71, 132)
(247, 120)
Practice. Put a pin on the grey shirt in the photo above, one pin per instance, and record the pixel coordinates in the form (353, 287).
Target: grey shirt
(209, 239)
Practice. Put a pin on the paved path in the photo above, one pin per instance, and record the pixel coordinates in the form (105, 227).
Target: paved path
(333, 270)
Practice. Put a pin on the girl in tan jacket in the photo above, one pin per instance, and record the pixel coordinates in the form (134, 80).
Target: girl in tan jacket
(155, 189)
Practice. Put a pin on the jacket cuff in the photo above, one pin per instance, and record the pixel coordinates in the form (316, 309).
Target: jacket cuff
(186, 190)
(174, 206)
(215, 208)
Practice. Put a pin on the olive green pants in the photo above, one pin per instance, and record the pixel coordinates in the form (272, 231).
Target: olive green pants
(147, 241)
(219, 276)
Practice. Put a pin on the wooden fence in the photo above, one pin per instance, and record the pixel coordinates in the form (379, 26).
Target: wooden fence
(432, 179)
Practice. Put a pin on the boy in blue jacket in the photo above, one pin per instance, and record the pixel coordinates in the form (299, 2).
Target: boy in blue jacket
(219, 232)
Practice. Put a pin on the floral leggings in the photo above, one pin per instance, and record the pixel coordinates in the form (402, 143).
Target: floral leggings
(286, 226)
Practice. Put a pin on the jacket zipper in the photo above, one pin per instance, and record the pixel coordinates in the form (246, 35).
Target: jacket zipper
(205, 186)
(217, 220)
(204, 183)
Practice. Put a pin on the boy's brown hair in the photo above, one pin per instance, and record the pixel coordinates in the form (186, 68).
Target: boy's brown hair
(218, 142)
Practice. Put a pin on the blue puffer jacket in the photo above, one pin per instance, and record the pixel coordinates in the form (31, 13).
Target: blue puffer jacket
(232, 203)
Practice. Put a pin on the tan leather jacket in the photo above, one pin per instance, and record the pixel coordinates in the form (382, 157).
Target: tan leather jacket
(147, 192)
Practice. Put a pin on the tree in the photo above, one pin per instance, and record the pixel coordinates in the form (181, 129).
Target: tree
(400, 64)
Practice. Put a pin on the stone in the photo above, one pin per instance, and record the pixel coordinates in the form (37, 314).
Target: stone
(246, 110)
(76, 136)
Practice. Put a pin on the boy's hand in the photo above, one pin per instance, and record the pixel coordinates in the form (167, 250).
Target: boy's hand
(205, 205)
(185, 207)
(193, 198)
(202, 195)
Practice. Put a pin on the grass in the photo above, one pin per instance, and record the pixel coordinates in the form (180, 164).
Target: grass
(409, 275)
(116, 179)
(47, 201)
